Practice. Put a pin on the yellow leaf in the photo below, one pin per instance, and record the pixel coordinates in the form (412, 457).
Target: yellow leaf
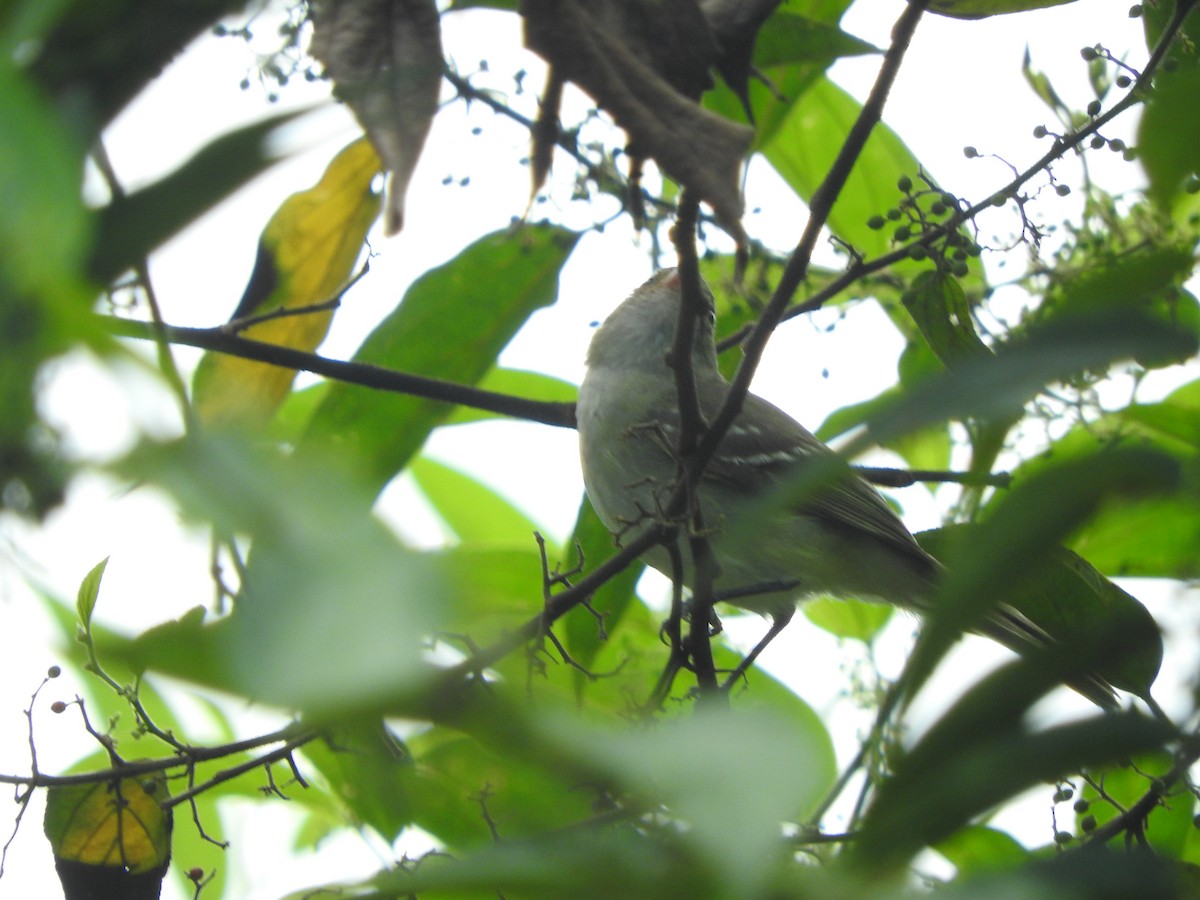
(306, 255)
(114, 824)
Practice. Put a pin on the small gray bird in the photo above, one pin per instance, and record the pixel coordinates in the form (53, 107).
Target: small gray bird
(842, 539)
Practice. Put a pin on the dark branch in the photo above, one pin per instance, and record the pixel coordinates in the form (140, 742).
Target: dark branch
(219, 340)
(819, 209)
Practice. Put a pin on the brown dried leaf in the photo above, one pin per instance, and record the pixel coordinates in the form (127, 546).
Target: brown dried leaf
(644, 63)
(734, 25)
(385, 59)
(545, 132)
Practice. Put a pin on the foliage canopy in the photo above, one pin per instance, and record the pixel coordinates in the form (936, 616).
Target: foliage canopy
(507, 696)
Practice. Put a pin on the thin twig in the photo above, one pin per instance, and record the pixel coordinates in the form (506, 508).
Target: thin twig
(234, 771)
(820, 207)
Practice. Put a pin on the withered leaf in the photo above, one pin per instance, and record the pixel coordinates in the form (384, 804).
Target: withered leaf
(734, 25)
(621, 52)
(385, 59)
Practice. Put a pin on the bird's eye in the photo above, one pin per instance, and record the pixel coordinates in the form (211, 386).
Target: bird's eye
(712, 317)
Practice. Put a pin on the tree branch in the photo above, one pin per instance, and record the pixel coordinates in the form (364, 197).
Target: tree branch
(561, 415)
(819, 208)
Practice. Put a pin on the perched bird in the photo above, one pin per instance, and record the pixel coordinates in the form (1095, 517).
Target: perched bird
(841, 539)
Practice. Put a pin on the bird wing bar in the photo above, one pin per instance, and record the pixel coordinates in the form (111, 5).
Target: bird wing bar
(763, 458)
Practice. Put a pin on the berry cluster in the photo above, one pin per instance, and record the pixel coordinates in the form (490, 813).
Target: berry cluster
(922, 217)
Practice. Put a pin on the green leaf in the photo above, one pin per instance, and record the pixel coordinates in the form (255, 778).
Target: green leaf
(1077, 607)
(1016, 545)
(518, 383)
(982, 9)
(505, 5)
(99, 56)
(1169, 132)
(89, 591)
(806, 144)
(586, 863)
(1054, 351)
(584, 635)
(979, 755)
(497, 588)
(1144, 280)
(472, 305)
(454, 775)
(789, 38)
(926, 448)
(848, 618)
(327, 585)
(1043, 87)
(1169, 823)
(306, 255)
(938, 305)
(365, 767)
(977, 848)
(1156, 536)
(792, 50)
(472, 510)
(1167, 420)
(732, 776)
(44, 229)
(130, 227)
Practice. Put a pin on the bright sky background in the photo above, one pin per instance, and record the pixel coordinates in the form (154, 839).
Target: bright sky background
(960, 85)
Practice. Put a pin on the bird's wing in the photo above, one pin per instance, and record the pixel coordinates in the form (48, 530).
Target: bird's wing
(759, 458)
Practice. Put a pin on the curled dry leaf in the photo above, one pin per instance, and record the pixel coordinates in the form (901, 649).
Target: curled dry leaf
(646, 64)
(545, 132)
(734, 25)
(385, 59)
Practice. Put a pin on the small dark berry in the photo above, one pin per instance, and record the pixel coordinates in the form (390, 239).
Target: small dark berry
(1081, 805)
(905, 184)
(1063, 837)
(893, 215)
(58, 707)
(53, 672)
(1097, 142)
(903, 233)
(1094, 108)
(1089, 53)
(875, 222)
(970, 152)
(1135, 11)
(1088, 823)
(918, 252)
(1039, 131)
(1123, 81)
(1062, 190)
